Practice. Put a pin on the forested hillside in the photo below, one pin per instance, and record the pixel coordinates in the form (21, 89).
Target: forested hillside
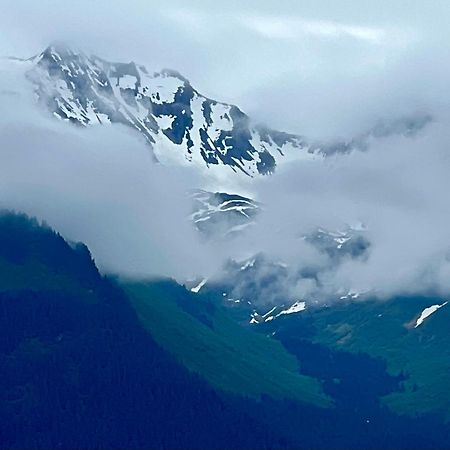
(86, 364)
(77, 370)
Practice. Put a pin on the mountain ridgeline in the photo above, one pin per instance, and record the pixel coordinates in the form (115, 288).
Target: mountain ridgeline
(177, 121)
(181, 125)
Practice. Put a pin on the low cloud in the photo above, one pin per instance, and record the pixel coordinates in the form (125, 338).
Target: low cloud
(297, 29)
(322, 69)
(99, 185)
(398, 189)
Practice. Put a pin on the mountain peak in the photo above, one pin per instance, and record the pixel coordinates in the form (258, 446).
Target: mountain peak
(179, 124)
(61, 50)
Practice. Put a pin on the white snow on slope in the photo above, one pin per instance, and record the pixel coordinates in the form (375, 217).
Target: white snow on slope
(196, 289)
(269, 316)
(249, 263)
(352, 294)
(295, 308)
(427, 313)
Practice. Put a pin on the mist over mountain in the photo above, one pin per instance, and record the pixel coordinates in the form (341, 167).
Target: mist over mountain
(157, 146)
(224, 227)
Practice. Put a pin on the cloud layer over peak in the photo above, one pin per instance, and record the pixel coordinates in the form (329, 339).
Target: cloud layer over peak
(323, 70)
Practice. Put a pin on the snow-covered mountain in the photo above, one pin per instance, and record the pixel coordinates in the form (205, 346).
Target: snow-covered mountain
(218, 214)
(180, 124)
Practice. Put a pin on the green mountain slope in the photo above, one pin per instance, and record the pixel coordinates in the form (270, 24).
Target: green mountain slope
(78, 370)
(202, 336)
(418, 357)
(386, 330)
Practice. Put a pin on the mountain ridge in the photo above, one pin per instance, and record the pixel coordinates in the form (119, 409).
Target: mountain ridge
(178, 122)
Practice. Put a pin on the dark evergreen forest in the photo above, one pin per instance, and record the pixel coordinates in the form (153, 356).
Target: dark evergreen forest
(78, 371)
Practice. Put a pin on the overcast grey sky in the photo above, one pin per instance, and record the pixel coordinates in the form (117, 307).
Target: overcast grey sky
(303, 66)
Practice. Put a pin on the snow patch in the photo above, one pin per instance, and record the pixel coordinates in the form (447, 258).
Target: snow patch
(295, 308)
(427, 313)
(196, 289)
(248, 264)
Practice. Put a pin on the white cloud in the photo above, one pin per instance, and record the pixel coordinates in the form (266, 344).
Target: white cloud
(297, 28)
(323, 68)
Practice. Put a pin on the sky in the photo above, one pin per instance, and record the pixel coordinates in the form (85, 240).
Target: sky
(324, 69)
